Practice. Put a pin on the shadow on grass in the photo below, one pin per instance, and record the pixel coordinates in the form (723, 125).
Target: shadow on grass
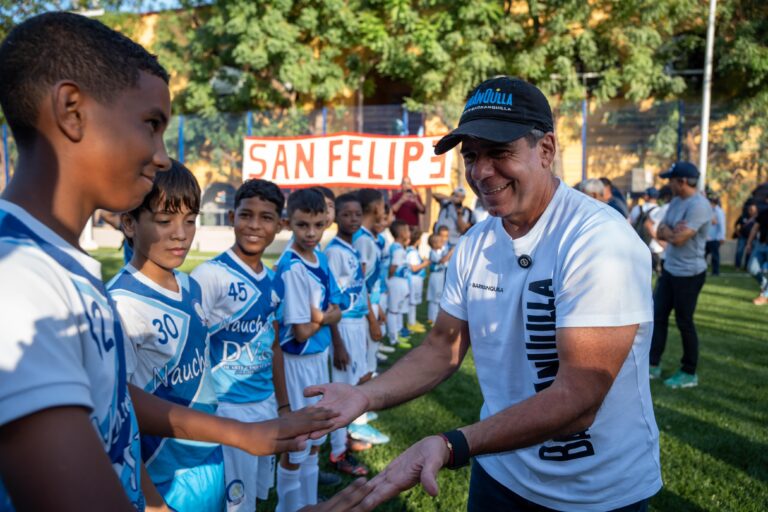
(743, 454)
(668, 501)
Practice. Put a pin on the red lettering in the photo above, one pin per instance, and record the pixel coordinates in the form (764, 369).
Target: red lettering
(392, 146)
(412, 153)
(441, 171)
(332, 156)
(281, 160)
(372, 175)
(262, 163)
(352, 157)
(301, 158)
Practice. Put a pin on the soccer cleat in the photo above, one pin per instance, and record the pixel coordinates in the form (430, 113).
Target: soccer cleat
(682, 379)
(386, 349)
(346, 463)
(327, 479)
(760, 300)
(405, 333)
(404, 343)
(367, 433)
(655, 372)
(417, 328)
(371, 416)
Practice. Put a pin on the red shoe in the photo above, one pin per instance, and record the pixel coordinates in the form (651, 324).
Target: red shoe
(346, 463)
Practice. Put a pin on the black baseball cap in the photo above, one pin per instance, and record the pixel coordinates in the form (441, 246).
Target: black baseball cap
(681, 170)
(501, 109)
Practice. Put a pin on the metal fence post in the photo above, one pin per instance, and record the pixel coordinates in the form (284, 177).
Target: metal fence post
(180, 156)
(406, 128)
(249, 123)
(680, 122)
(584, 112)
(325, 120)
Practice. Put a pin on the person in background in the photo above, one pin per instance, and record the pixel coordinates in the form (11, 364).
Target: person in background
(453, 214)
(757, 244)
(407, 203)
(593, 188)
(741, 233)
(715, 235)
(613, 196)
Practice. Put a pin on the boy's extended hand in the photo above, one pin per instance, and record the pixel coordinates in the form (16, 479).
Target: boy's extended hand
(287, 433)
(348, 402)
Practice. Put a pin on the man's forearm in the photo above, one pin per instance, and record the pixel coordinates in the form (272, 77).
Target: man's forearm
(415, 374)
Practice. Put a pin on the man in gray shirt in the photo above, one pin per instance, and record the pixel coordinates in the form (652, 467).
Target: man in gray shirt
(684, 228)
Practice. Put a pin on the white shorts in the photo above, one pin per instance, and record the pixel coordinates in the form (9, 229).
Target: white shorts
(247, 476)
(435, 286)
(300, 372)
(354, 334)
(398, 295)
(416, 290)
(384, 301)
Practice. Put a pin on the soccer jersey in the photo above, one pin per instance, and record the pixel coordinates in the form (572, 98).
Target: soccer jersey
(307, 284)
(61, 343)
(434, 260)
(166, 346)
(413, 258)
(241, 307)
(344, 262)
(386, 257)
(370, 255)
(589, 269)
(398, 258)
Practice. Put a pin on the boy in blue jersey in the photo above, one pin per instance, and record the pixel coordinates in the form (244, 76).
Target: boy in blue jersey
(87, 107)
(397, 282)
(350, 364)
(240, 299)
(309, 307)
(166, 336)
(439, 255)
(416, 274)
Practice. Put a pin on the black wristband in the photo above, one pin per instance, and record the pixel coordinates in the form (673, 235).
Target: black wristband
(459, 448)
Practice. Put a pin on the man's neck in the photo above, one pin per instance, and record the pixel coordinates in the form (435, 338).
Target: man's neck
(519, 227)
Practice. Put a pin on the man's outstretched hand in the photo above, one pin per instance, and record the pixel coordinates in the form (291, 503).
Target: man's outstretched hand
(344, 501)
(287, 433)
(344, 401)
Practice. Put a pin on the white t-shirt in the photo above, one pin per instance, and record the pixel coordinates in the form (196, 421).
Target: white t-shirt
(61, 343)
(590, 269)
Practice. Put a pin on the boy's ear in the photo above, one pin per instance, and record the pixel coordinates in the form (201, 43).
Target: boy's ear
(68, 109)
(128, 225)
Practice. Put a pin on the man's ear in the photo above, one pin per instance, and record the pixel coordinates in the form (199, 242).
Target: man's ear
(547, 149)
(68, 109)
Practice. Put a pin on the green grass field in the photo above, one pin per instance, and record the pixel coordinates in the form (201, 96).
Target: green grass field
(714, 438)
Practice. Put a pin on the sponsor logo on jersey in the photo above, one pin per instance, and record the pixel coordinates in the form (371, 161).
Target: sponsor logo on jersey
(181, 373)
(235, 492)
(489, 288)
(248, 326)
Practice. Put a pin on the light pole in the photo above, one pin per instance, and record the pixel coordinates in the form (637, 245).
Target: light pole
(706, 95)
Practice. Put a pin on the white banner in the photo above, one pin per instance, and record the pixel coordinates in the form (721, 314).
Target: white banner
(346, 160)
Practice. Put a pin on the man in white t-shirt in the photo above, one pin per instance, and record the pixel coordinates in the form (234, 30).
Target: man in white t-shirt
(553, 294)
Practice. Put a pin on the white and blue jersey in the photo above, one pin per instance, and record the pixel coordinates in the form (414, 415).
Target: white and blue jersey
(166, 346)
(434, 260)
(370, 255)
(386, 258)
(241, 307)
(307, 285)
(414, 258)
(61, 343)
(397, 257)
(344, 262)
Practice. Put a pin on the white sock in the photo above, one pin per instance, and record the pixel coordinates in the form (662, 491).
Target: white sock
(289, 495)
(392, 328)
(309, 474)
(412, 314)
(338, 442)
(432, 309)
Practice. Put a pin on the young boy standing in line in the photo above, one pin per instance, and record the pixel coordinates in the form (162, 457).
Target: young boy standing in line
(166, 336)
(309, 307)
(439, 255)
(87, 107)
(240, 299)
(416, 274)
(397, 283)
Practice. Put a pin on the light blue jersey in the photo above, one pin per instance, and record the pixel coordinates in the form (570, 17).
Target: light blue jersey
(344, 262)
(370, 254)
(241, 307)
(167, 356)
(413, 257)
(434, 260)
(386, 257)
(397, 256)
(307, 285)
(61, 343)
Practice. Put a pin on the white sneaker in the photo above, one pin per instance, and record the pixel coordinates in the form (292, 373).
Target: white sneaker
(381, 357)
(387, 349)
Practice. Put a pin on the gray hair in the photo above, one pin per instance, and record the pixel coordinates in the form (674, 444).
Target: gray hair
(591, 187)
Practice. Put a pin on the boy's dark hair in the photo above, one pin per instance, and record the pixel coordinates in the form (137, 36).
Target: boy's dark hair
(57, 46)
(398, 227)
(349, 197)
(433, 239)
(172, 190)
(441, 227)
(308, 200)
(327, 193)
(369, 196)
(264, 190)
(415, 235)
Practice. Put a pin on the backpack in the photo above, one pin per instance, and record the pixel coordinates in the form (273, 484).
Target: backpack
(640, 228)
